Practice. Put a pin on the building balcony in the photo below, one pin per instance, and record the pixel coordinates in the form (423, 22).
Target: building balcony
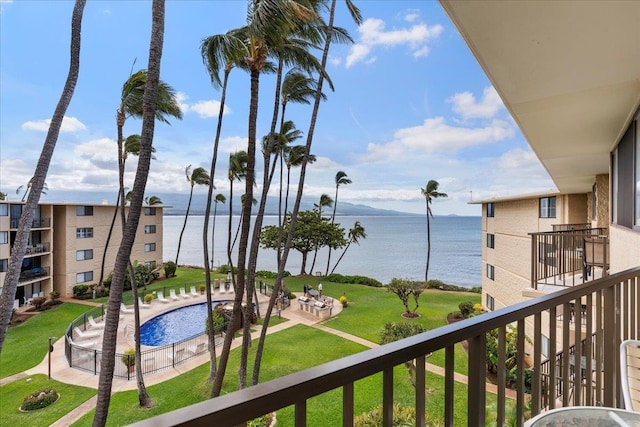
(36, 249)
(33, 274)
(36, 223)
(585, 374)
(568, 256)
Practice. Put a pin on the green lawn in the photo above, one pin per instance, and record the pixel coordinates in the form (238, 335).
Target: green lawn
(369, 309)
(26, 345)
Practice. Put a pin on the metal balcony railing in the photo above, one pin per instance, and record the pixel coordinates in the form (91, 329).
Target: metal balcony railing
(36, 249)
(609, 314)
(33, 273)
(36, 223)
(568, 257)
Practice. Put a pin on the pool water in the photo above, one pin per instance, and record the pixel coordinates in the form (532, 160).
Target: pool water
(175, 325)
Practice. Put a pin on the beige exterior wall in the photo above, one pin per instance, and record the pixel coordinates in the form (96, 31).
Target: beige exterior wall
(60, 258)
(625, 248)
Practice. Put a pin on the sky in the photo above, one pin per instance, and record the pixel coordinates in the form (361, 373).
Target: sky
(410, 104)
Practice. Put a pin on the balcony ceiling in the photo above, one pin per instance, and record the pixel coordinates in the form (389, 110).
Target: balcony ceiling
(568, 71)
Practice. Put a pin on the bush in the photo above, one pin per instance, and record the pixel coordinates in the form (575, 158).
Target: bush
(38, 301)
(170, 269)
(466, 308)
(129, 357)
(40, 399)
(403, 416)
(263, 421)
(80, 290)
(439, 284)
(224, 269)
(356, 280)
(54, 295)
(148, 298)
(343, 301)
(271, 274)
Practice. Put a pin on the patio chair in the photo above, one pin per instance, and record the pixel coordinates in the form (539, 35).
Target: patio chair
(178, 357)
(193, 291)
(172, 294)
(95, 324)
(183, 294)
(86, 335)
(142, 304)
(161, 297)
(630, 374)
(125, 310)
(222, 288)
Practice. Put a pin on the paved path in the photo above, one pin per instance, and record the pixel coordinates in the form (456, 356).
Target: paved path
(61, 371)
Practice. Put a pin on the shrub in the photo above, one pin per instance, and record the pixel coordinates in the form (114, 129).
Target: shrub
(54, 295)
(271, 274)
(40, 399)
(202, 288)
(38, 301)
(466, 308)
(403, 416)
(80, 290)
(148, 298)
(224, 269)
(263, 421)
(357, 280)
(218, 321)
(129, 357)
(343, 301)
(170, 269)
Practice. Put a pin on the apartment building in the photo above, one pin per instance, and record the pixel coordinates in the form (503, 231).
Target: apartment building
(67, 242)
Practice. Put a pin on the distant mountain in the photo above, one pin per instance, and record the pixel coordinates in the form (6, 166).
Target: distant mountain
(178, 203)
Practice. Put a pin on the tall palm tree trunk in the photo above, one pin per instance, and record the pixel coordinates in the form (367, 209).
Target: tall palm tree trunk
(184, 225)
(341, 256)
(26, 219)
(122, 259)
(426, 270)
(106, 244)
(205, 229)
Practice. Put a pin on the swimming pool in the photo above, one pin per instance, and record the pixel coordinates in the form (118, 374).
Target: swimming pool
(175, 325)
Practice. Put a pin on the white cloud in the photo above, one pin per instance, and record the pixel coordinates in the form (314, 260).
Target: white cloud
(435, 135)
(466, 105)
(101, 153)
(373, 33)
(69, 124)
(204, 109)
(412, 15)
(232, 144)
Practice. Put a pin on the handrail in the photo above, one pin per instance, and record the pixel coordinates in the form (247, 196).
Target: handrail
(609, 300)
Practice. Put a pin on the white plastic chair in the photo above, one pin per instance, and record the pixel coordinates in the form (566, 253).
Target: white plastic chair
(95, 324)
(183, 294)
(86, 335)
(630, 374)
(142, 304)
(172, 294)
(193, 291)
(161, 297)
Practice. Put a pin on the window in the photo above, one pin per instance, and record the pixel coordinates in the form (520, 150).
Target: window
(4, 237)
(637, 186)
(150, 211)
(84, 232)
(623, 168)
(490, 302)
(490, 210)
(84, 254)
(545, 346)
(151, 264)
(490, 272)
(491, 240)
(4, 209)
(83, 277)
(548, 207)
(149, 247)
(149, 229)
(84, 211)
(4, 265)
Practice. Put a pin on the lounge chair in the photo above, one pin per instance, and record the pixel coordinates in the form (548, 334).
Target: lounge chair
(172, 294)
(193, 291)
(125, 310)
(231, 288)
(142, 304)
(198, 348)
(183, 294)
(161, 297)
(86, 335)
(95, 324)
(630, 374)
(178, 357)
(222, 288)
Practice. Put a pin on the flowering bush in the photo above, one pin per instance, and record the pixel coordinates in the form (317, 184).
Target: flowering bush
(40, 399)
(343, 300)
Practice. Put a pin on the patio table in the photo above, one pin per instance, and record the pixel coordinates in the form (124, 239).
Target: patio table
(586, 416)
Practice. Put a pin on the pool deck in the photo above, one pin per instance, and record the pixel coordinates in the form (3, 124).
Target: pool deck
(61, 371)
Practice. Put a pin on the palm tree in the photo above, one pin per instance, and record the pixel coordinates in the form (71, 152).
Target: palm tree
(220, 198)
(331, 31)
(40, 174)
(341, 179)
(28, 187)
(325, 201)
(430, 192)
(199, 176)
(149, 113)
(153, 200)
(355, 234)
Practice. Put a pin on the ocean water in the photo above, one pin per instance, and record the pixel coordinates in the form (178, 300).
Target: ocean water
(395, 246)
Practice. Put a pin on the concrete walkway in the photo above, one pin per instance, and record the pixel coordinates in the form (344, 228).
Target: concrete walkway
(61, 371)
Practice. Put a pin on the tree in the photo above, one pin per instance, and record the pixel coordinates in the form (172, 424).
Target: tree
(406, 289)
(397, 331)
(199, 176)
(310, 232)
(26, 219)
(430, 192)
(28, 187)
(150, 98)
(153, 200)
(325, 201)
(340, 179)
(355, 234)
